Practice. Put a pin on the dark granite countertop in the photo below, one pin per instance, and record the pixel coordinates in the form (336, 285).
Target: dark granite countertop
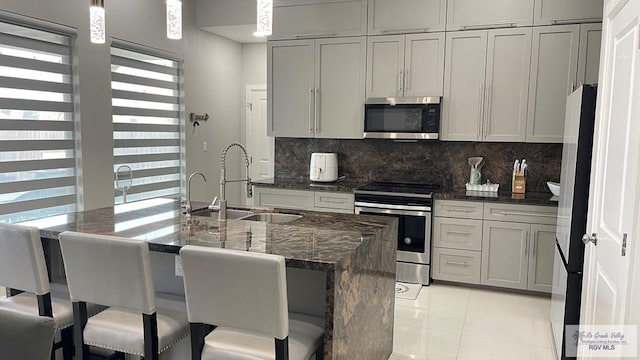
(346, 186)
(530, 198)
(317, 241)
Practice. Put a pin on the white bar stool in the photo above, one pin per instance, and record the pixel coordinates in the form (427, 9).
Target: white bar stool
(116, 272)
(26, 336)
(242, 297)
(23, 271)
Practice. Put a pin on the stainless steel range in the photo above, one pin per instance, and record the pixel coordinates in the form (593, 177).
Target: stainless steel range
(411, 204)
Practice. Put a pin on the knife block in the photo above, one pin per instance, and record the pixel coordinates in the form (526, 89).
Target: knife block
(519, 184)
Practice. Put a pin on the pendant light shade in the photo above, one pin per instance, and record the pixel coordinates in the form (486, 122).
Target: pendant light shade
(264, 18)
(174, 19)
(97, 22)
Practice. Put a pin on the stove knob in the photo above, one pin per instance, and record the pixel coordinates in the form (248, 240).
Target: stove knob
(408, 240)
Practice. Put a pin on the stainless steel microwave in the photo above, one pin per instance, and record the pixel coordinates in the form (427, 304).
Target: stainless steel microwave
(415, 118)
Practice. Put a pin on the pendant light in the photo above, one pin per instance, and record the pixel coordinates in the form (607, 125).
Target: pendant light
(96, 21)
(264, 18)
(174, 19)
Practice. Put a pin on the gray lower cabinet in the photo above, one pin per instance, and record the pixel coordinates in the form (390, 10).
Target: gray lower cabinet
(504, 254)
(495, 244)
(337, 202)
(542, 252)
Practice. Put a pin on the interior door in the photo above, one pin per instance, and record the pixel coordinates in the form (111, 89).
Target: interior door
(615, 186)
(259, 146)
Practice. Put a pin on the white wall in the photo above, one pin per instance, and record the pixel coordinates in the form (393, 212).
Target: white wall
(254, 72)
(212, 78)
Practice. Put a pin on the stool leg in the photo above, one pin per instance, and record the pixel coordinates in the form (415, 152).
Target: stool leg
(79, 322)
(150, 323)
(67, 343)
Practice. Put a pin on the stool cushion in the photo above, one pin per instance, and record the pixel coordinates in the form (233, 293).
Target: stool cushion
(122, 330)
(27, 304)
(305, 336)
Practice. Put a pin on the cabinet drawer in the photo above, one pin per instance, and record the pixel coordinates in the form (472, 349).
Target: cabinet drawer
(463, 234)
(521, 213)
(332, 200)
(459, 209)
(286, 199)
(456, 265)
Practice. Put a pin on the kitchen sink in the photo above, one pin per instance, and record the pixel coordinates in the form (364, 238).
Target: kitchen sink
(274, 218)
(231, 213)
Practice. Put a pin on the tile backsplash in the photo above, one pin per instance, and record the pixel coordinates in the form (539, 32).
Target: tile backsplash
(440, 162)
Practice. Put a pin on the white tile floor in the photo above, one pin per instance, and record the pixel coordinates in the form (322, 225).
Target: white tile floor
(454, 322)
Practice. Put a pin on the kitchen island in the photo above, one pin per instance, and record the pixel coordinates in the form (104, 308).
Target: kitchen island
(354, 255)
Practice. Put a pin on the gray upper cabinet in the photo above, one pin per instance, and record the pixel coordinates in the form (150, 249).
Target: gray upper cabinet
(555, 12)
(465, 60)
(406, 16)
(474, 14)
(299, 19)
(316, 87)
(507, 85)
(486, 85)
(405, 65)
(290, 88)
(553, 77)
(340, 71)
(589, 53)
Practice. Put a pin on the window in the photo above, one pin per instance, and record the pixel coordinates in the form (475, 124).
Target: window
(37, 128)
(147, 127)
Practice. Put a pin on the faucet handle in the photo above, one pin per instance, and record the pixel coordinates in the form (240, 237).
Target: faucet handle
(249, 188)
(213, 205)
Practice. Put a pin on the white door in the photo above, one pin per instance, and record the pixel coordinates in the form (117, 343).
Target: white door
(614, 183)
(259, 145)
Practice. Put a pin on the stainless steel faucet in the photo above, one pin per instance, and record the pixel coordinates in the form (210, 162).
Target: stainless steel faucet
(188, 205)
(222, 215)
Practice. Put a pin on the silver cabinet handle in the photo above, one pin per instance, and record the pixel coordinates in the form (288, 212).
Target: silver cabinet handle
(479, 113)
(488, 26)
(316, 120)
(458, 232)
(462, 210)
(571, 21)
(515, 213)
(535, 244)
(403, 31)
(457, 263)
(526, 243)
(304, 36)
(407, 80)
(400, 82)
(487, 119)
(311, 107)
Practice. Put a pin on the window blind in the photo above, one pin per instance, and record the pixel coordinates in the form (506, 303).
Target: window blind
(147, 126)
(37, 129)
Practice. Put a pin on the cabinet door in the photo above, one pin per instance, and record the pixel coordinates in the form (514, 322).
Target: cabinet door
(283, 198)
(424, 64)
(295, 19)
(504, 254)
(541, 252)
(385, 66)
(507, 90)
(468, 14)
(552, 12)
(553, 77)
(406, 16)
(290, 88)
(340, 82)
(589, 53)
(466, 55)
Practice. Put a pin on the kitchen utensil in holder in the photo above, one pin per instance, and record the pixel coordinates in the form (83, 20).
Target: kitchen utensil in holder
(519, 181)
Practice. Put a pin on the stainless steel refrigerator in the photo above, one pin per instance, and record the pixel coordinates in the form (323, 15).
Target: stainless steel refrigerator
(572, 214)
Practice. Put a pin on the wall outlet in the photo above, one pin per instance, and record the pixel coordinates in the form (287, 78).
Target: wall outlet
(205, 146)
(178, 266)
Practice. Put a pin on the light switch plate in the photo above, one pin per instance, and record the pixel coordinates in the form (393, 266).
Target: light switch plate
(178, 266)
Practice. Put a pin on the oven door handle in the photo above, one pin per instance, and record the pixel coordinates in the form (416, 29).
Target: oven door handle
(369, 205)
(360, 209)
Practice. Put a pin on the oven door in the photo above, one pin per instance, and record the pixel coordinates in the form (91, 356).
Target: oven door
(414, 232)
